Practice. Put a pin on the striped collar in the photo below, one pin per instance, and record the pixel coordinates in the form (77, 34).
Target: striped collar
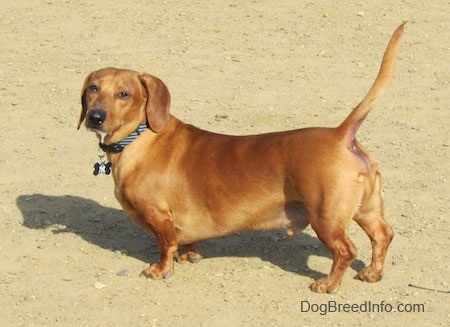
(119, 146)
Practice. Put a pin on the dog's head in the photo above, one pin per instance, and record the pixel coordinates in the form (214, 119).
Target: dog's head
(115, 101)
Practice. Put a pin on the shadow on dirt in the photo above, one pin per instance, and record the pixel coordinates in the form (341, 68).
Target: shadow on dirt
(110, 229)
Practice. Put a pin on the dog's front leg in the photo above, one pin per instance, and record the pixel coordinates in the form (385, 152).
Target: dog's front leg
(164, 233)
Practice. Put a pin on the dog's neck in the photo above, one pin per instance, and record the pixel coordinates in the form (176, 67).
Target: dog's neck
(119, 146)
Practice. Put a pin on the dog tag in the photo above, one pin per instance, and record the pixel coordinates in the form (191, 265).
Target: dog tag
(102, 168)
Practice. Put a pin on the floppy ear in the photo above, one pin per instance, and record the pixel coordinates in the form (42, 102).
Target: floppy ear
(158, 102)
(83, 99)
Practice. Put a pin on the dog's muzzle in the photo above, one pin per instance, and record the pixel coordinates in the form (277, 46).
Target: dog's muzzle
(95, 118)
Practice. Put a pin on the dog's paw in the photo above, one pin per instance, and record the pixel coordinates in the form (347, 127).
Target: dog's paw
(369, 274)
(155, 272)
(189, 256)
(323, 286)
(190, 253)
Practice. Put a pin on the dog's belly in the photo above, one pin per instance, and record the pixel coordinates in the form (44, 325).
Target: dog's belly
(291, 216)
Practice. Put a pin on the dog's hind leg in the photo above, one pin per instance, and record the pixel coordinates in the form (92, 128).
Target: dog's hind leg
(343, 251)
(380, 233)
(330, 220)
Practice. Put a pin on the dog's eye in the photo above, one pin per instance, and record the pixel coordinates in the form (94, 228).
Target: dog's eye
(93, 88)
(123, 95)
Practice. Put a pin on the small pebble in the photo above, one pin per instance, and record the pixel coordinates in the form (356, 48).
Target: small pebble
(123, 272)
(99, 286)
(59, 148)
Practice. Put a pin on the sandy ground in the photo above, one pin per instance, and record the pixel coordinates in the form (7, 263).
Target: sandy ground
(70, 257)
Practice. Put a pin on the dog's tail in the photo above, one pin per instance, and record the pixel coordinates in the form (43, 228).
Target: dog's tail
(350, 125)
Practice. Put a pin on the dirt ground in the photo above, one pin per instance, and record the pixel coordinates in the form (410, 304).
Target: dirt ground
(70, 257)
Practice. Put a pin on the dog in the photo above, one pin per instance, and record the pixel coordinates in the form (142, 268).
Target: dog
(183, 184)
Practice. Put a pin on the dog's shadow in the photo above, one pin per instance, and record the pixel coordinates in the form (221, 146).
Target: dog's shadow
(111, 229)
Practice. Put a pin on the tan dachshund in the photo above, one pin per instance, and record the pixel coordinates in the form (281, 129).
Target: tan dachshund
(183, 184)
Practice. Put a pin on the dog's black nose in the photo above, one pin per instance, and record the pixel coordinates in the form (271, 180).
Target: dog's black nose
(95, 118)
